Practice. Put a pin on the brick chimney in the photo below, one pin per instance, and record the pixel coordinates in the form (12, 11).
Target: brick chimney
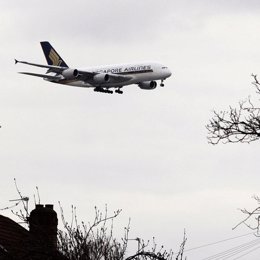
(43, 224)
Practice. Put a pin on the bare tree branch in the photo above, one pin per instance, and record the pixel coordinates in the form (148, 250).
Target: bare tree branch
(256, 83)
(144, 253)
(182, 246)
(96, 241)
(252, 218)
(238, 125)
(92, 241)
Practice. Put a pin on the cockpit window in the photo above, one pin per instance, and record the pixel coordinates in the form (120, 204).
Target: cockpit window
(164, 68)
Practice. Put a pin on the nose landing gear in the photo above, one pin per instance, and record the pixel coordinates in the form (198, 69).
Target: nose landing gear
(162, 85)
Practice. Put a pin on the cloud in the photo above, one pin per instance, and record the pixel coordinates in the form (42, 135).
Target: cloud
(146, 147)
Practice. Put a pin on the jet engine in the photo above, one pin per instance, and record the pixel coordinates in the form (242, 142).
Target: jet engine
(70, 73)
(101, 78)
(148, 85)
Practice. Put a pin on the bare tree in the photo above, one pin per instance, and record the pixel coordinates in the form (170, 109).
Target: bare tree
(252, 218)
(92, 240)
(240, 124)
(160, 254)
(95, 241)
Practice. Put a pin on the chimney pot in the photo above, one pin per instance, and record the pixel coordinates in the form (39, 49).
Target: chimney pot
(49, 206)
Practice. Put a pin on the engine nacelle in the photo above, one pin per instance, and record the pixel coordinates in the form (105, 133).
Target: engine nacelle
(70, 73)
(101, 78)
(148, 85)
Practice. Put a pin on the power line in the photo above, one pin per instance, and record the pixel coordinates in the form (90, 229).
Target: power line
(218, 242)
(247, 253)
(233, 251)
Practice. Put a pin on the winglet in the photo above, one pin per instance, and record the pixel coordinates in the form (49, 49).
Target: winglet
(16, 61)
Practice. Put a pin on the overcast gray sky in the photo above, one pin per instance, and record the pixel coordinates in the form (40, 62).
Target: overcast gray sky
(145, 151)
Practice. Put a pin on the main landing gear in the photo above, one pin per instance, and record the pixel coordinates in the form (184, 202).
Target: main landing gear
(118, 91)
(103, 90)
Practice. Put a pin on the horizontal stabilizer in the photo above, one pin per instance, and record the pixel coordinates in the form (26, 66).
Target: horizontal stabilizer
(50, 67)
(41, 75)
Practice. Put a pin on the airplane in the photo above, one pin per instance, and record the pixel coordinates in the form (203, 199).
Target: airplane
(102, 78)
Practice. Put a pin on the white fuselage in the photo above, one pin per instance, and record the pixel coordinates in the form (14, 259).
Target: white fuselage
(137, 72)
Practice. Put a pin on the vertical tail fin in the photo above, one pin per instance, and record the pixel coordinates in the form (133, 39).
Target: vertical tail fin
(52, 57)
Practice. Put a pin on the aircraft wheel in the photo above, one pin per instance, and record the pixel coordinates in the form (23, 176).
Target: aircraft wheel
(118, 91)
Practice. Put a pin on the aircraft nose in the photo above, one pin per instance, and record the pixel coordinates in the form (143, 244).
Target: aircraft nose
(169, 73)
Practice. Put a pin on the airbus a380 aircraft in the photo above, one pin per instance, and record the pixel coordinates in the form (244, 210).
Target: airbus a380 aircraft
(102, 78)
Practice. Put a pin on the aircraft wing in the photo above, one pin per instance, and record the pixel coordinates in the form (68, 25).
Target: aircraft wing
(119, 78)
(88, 76)
(83, 75)
(42, 75)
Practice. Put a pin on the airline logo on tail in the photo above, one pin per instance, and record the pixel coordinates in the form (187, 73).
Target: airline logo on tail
(54, 57)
